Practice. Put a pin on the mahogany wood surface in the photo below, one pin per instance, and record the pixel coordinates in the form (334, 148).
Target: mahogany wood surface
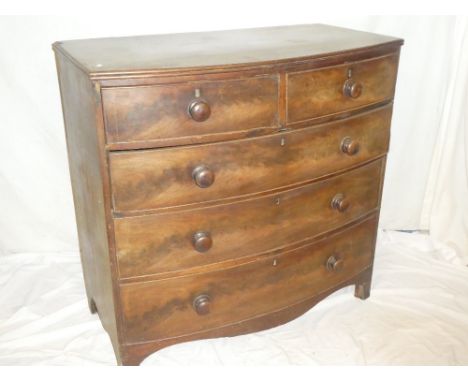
(314, 93)
(162, 111)
(160, 243)
(151, 179)
(224, 182)
(134, 354)
(175, 52)
(81, 105)
(164, 309)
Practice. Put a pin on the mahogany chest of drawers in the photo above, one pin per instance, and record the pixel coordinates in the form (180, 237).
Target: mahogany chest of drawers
(224, 182)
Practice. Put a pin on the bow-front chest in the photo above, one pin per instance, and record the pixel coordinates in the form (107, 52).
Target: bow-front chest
(224, 182)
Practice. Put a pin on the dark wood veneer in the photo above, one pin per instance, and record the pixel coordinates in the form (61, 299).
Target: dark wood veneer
(160, 243)
(315, 93)
(223, 187)
(164, 308)
(152, 179)
(167, 111)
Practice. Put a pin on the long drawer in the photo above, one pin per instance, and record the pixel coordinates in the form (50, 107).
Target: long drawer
(177, 306)
(152, 179)
(176, 241)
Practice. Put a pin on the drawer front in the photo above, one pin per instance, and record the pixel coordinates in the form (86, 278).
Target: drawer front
(323, 92)
(182, 305)
(189, 111)
(169, 242)
(152, 179)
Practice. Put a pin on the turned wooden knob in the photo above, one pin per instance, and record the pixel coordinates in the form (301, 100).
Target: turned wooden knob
(201, 304)
(352, 89)
(349, 146)
(199, 110)
(202, 241)
(334, 264)
(340, 203)
(203, 176)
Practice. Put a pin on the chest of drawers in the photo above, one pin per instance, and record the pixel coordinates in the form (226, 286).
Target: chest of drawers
(224, 182)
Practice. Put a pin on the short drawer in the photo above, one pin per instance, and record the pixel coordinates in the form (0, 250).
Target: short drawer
(322, 92)
(183, 305)
(191, 112)
(177, 241)
(152, 179)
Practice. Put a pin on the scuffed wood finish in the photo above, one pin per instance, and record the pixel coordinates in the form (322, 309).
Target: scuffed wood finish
(224, 182)
(316, 93)
(150, 179)
(161, 112)
(217, 50)
(134, 354)
(163, 309)
(164, 242)
(81, 103)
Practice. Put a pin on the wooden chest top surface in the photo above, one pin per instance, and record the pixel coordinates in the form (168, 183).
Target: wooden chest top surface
(217, 48)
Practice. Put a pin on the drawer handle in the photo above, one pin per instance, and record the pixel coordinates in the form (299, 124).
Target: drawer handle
(203, 176)
(334, 264)
(352, 89)
(201, 304)
(199, 110)
(349, 146)
(340, 203)
(202, 241)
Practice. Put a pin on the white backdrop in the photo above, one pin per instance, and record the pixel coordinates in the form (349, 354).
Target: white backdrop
(426, 183)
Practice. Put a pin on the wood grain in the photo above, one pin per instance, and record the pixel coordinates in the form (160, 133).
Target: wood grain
(151, 179)
(217, 49)
(134, 354)
(163, 242)
(81, 104)
(161, 112)
(163, 309)
(224, 182)
(315, 93)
